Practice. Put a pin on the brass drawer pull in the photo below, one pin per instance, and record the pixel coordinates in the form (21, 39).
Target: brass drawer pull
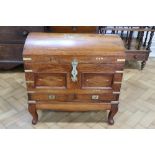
(95, 97)
(51, 97)
(74, 72)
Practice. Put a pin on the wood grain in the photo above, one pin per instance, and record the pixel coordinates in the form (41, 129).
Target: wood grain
(100, 63)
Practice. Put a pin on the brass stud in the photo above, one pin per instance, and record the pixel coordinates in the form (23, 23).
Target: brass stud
(27, 59)
(118, 71)
(27, 71)
(114, 102)
(120, 60)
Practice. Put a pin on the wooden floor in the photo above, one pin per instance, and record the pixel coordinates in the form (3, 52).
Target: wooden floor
(136, 109)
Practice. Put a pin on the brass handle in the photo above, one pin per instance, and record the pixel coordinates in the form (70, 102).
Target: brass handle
(74, 72)
(95, 97)
(51, 97)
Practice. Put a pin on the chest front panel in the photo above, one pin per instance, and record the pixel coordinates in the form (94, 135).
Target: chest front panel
(73, 78)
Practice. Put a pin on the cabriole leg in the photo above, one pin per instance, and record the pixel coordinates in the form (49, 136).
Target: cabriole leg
(113, 111)
(33, 111)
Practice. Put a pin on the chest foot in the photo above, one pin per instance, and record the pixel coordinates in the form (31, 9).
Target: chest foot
(33, 111)
(113, 111)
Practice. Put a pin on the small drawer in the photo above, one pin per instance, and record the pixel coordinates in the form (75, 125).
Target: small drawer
(51, 97)
(138, 56)
(96, 97)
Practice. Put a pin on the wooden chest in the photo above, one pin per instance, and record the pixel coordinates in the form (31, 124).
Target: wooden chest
(73, 72)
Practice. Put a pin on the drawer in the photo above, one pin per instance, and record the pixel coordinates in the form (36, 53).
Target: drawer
(17, 33)
(73, 29)
(96, 97)
(11, 52)
(73, 97)
(138, 56)
(51, 97)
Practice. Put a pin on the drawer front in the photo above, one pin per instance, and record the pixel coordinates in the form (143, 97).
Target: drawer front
(17, 33)
(138, 56)
(73, 29)
(11, 52)
(51, 97)
(73, 97)
(96, 97)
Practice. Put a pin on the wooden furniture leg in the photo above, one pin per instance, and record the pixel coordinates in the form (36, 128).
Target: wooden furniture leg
(33, 111)
(113, 111)
(143, 64)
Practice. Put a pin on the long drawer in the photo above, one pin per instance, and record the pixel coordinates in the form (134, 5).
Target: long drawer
(73, 97)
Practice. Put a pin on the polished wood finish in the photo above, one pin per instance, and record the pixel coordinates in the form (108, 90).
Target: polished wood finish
(48, 59)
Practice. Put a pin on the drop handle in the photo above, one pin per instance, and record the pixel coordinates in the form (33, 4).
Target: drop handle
(74, 71)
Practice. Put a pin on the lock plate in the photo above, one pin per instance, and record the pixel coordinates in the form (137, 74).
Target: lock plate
(74, 71)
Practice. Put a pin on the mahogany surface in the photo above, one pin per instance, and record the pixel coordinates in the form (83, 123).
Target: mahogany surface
(48, 59)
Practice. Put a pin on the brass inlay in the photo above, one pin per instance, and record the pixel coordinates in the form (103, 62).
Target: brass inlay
(30, 92)
(27, 59)
(115, 92)
(118, 71)
(31, 101)
(51, 97)
(114, 102)
(95, 97)
(116, 82)
(28, 71)
(29, 81)
(120, 60)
